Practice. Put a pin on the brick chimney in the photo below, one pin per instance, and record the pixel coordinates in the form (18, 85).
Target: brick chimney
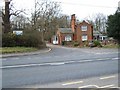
(73, 22)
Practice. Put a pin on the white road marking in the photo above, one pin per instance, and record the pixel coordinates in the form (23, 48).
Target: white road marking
(100, 59)
(57, 63)
(70, 83)
(89, 86)
(107, 86)
(115, 58)
(52, 63)
(18, 66)
(86, 61)
(106, 53)
(28, 65)
(108, 77)
(69, 62)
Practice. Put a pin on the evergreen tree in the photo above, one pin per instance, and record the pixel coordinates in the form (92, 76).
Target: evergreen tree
(113, 26)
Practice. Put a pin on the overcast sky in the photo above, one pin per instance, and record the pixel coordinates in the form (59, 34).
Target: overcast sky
(82, 8)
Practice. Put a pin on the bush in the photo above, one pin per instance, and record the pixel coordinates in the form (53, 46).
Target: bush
(85, 43)
(97, 44)
(25, 40)
(8, 40)
(76, 43)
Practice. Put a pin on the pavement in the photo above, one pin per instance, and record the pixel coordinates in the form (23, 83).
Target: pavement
(48, 49)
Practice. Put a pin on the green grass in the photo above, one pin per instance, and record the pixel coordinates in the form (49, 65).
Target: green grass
(6, 50)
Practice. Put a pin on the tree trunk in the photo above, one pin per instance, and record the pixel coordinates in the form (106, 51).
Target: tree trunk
(7, 18)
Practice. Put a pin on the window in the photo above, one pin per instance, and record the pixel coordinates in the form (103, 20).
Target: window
(84, 37)
(68, 38)
(84, 28)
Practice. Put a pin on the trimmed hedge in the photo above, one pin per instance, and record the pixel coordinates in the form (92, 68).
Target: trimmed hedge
(25, 40)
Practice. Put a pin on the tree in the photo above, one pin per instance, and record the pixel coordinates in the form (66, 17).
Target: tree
(113, 26)
(19, 22)
(7, 14)
(44, 16)
(99, 22)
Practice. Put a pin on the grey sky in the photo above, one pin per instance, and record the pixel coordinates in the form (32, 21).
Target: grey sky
(82, 8)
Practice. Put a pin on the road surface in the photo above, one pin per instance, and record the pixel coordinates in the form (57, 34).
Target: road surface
(63, 67)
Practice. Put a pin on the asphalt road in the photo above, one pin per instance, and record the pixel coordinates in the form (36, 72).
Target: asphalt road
(61, 65)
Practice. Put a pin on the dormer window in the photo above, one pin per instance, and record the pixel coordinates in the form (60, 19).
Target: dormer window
(84, 28)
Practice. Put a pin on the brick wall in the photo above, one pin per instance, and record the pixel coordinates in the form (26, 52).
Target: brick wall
(89, 31)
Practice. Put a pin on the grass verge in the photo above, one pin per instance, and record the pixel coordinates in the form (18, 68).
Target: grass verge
(6, 50)
(112, 46)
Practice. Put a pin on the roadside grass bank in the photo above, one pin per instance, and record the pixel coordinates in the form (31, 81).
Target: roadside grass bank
(111, 46)
(6, 50)
(94, 44)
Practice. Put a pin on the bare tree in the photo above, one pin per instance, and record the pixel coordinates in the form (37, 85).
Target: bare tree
(19, 22)
(99, 22)
(64, 21)
(7, 13)
(44, 15)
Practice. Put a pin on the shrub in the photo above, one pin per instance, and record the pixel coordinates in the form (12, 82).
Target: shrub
(97, 44)
(8, 40)
(76, 43)
(85, 43)
(26, 40)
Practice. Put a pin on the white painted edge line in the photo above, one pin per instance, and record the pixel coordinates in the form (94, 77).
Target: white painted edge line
(70, 83)
(108, 77)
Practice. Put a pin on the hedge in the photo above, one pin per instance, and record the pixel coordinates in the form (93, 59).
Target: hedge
(25, 40)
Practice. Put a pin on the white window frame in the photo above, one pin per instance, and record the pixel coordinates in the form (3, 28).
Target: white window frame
(68, 38)
(84, 28)
(84, 37)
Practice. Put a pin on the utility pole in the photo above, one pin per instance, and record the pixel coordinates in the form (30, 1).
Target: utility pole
(7, 17)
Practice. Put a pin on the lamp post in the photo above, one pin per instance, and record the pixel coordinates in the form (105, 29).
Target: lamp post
(7, 17)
